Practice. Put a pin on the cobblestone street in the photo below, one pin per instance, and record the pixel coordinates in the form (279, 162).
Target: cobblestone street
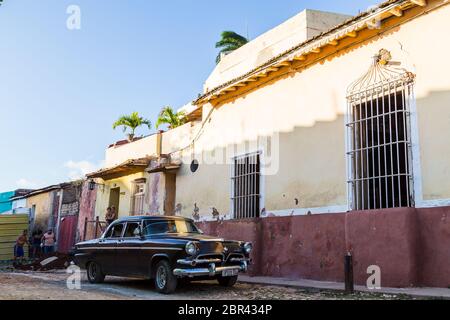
(52, 286)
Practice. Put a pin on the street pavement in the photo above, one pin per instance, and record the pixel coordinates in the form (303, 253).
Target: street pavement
(53, 286)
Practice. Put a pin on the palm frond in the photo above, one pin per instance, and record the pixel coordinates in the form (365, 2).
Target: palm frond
(229, 42)
(171, 118)
(132, 122)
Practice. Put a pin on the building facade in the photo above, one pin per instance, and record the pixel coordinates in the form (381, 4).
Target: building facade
(314, 146)
(54, 207)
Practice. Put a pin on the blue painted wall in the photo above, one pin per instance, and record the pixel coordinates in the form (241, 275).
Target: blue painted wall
(5, 203)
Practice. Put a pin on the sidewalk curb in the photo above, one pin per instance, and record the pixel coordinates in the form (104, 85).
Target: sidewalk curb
(430, 293)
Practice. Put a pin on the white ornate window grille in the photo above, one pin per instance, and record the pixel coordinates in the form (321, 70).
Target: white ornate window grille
(138, 199)
(246, 186)
(379, 140)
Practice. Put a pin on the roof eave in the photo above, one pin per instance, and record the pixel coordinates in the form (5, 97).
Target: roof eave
(348, 29)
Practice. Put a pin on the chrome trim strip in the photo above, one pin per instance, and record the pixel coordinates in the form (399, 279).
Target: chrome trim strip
(198, 261)
(130, 248)
(211, 254)
(212, 271)
(233, 256)
(239, 259)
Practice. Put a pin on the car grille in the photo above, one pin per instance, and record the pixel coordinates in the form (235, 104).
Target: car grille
(211, 246)
(234, 255)
(210, 256)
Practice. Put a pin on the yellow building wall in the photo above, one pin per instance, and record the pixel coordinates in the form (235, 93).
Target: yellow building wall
(126, 188)
(305, 111)
(43, 203)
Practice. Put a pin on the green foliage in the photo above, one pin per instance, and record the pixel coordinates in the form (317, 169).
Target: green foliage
(229, 42)
(132, 122)
(171, 118)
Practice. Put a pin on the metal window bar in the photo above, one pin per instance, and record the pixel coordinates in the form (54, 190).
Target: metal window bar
(379, 147)
(245, 186)
(137, 205)
(137, 200)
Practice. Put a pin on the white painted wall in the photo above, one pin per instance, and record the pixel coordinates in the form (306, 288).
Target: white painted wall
(298, 29)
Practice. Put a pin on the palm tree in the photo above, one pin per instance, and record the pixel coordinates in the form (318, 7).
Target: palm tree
(132, 122)
(230, 41)
(170, 117)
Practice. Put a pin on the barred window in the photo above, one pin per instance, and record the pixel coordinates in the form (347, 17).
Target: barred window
(246, 189)
(379, 140)
(137, 198)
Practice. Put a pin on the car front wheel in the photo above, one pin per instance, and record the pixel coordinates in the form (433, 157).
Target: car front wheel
(95, 273)
(227, 281)
(165, 281)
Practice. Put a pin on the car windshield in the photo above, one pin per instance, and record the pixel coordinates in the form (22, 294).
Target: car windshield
(169, 226)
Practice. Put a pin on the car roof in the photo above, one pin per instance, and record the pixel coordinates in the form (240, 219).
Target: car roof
(134, 218)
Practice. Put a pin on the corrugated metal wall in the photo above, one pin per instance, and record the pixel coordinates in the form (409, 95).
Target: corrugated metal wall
(11, 227)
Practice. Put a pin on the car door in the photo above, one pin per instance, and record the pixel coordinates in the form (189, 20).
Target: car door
(107, 248)
(155, 243)
(129, 249)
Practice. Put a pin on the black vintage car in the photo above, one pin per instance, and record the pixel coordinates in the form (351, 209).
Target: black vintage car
(165, 249)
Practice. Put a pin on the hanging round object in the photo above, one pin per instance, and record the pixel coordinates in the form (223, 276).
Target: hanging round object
(194, 165)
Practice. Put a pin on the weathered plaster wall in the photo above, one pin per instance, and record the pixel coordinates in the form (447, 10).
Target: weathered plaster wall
(139, 149)
(305, 113)
(156, 193)
(87, 208)
(433, 254)
(43, 211)
(388, 239)
(125, 184)
(298, 29)
(409, 245)
(181, 137)
(208, 188)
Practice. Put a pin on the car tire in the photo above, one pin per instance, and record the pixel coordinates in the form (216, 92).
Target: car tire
(227, 281)
(95, 273)
(165, 281)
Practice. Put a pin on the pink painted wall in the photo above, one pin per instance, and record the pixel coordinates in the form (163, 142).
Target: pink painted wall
(87, 208)
(386, 238)
(310, 247)
(411, 246)
(433, 252)
(238, 230)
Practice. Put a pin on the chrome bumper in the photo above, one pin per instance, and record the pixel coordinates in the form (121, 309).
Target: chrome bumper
(211, 271)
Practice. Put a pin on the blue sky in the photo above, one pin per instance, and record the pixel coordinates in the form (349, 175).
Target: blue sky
(61, 90)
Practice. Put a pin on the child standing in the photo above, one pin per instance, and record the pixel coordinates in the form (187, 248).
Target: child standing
(22, 240)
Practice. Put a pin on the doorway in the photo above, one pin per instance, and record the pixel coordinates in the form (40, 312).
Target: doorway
(114, 198)
(169, 201)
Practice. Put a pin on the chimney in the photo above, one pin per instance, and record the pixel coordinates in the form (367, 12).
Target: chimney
(159, 136)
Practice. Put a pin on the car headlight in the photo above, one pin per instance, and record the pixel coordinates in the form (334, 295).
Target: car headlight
(248, 247)
(191, 248)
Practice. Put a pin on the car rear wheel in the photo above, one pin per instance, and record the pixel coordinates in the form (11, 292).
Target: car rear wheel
(227, 281)
(165, 281)
(95, 273)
